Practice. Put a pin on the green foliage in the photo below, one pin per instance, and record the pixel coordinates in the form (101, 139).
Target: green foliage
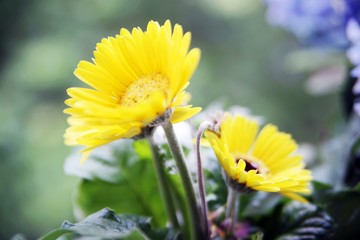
(216, 188)
(304, 221)
(352, 173)
(258, 204)
(178, 194)
(343, 206)
(121, 176)
(127, 184)
(257, 236)
(173, 180)
(334, 214)
(105, 224)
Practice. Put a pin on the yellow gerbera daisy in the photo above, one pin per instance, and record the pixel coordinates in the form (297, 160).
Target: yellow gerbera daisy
(262, 161)
(138, 80)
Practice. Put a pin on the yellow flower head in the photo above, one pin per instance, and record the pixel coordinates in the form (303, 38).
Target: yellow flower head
(263, 161)
(137, 80)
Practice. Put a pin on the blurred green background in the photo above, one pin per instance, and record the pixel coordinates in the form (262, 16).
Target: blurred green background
(244, 61)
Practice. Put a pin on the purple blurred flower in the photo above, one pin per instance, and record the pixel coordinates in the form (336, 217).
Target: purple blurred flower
(241, 229)
(353, 34)
(323, 23)
(353, 53)
(314, 22)
(353, 7)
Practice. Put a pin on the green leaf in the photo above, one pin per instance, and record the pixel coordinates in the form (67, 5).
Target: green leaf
(178, 194)
(352, 173)
(258, 204)
(104, 162)
(165, 233)
(320, 186)
(105, 224)
(257, 236)
(216, 189)
(304, 221)
(330, 200)
(344, 208)
(142, 149)
(55, 234)
(133, 189)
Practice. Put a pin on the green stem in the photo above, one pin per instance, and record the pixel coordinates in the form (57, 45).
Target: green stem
(162, 183)
(230, 202)
(232, 206)
(235, 212)
(192, 205)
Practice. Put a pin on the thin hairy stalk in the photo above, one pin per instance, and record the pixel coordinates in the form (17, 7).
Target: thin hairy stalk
(230, 202)
(232, 205)
(204, 211)
(192, 205)
(235, 211)
(162, 183)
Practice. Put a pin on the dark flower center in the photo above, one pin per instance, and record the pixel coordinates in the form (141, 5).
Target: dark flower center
(248, 165)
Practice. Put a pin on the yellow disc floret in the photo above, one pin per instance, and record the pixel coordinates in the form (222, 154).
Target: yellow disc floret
(140, 90)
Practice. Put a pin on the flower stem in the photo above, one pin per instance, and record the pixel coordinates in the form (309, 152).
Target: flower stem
(204, 211)
(230, 202)
(162, 183)
(235, 212)
(192, 204)
(232, 206)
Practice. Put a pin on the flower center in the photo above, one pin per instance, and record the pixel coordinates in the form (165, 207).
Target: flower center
(140, 90)
(252, 165)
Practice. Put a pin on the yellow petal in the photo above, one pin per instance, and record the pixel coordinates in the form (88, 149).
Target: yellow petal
(296, 197)
(184, 113)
